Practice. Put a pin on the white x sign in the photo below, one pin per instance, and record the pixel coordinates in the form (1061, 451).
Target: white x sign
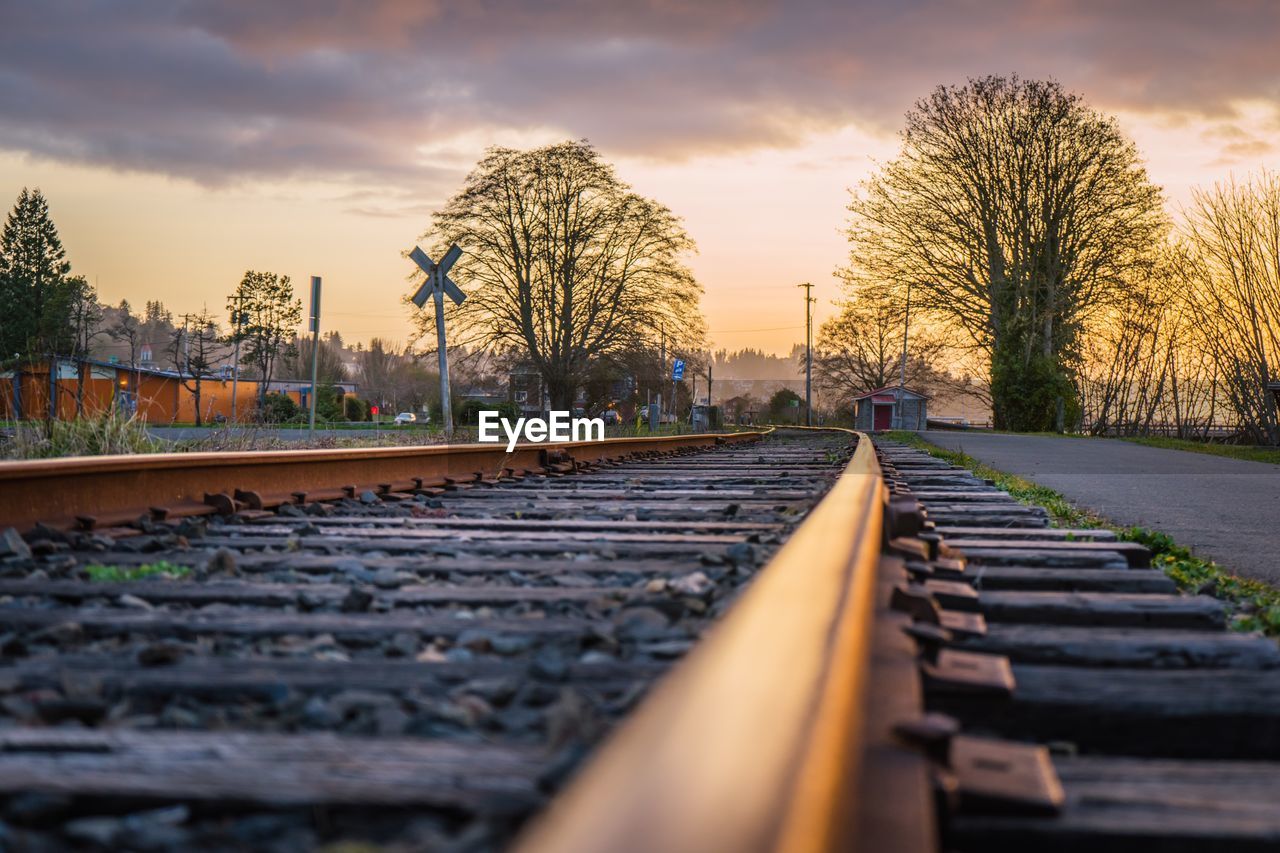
(432, 269)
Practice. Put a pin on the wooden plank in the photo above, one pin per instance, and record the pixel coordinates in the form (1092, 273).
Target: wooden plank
(449, 523)
(1071, 580)
(1197, 612)
(1063, 533)
(1119, 805)
(282, 594)
(428, 565)
(987, 495)
(502, 546)
(513, 539)
(1031, 555)
(222, 676)
(255, 623)
(1124, 647)
(1190, 713)
(270, 770)
(1134, 553)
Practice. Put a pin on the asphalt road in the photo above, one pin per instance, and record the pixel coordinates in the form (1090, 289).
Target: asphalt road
(1227, 510)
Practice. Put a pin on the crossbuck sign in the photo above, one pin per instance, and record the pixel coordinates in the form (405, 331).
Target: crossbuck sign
(436, 285)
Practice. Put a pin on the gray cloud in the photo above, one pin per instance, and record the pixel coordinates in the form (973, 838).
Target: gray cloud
(226, 90)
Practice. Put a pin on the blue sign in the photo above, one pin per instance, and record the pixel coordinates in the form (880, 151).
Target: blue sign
(677, 371)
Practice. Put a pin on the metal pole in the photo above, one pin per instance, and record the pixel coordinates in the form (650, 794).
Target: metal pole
(902, 373)
(315, 350)
(446, 411)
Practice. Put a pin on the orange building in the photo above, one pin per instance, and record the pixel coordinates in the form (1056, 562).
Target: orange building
(156, 396)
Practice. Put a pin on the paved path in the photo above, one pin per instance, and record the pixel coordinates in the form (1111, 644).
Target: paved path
(1225, 509)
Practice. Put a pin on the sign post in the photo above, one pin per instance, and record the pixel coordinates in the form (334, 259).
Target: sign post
(677, 374)
(437, 285)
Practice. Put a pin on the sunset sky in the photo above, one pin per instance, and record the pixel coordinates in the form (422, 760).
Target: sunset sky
(181, 143)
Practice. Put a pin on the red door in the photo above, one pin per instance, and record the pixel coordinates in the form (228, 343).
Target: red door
(883, 417)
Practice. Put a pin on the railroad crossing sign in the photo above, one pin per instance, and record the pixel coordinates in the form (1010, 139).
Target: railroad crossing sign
(437, 284)
(677, 370)
(437, 275)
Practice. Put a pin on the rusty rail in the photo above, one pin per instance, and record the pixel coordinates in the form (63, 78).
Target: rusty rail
(760, 739)
(95, 492)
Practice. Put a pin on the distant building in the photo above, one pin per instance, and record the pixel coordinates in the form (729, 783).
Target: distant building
(156, 396)
(878, 409)
(526, 389)
(299, 390)
(484, 396)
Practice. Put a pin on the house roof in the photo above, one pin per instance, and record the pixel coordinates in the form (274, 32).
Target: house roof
(892, 393)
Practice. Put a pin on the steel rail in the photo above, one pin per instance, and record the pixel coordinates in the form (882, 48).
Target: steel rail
(95, 492)
(756, 740)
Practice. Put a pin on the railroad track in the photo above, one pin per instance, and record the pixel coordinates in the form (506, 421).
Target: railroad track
(426, 660)
(1075, 700)
(417, 665)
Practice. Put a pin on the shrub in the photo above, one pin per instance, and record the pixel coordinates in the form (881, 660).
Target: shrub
(355, 409)
(278, 408)
(330, 404)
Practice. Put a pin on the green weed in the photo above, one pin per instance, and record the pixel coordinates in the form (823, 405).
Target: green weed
(118, 574)
(91, 435)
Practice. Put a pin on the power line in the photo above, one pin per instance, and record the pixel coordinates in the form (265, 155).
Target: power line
(771, 329)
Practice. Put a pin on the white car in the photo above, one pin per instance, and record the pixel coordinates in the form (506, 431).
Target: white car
(405, 418)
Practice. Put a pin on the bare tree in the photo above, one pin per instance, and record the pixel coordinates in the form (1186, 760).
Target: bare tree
(329, 367)
(195, 350)
(860, 349)
(85, 318)
(128, 329)
(1014, 211)
(1234, 285)
(565, 265)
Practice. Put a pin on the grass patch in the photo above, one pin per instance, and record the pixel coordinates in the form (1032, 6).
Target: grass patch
(1255, 604)
(91, 435)
(118, 574)
(1247, 452)
(1062, 512)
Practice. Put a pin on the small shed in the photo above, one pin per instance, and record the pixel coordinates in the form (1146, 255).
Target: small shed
(878, 410)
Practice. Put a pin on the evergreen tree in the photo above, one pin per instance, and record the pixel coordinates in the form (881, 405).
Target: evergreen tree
(269, 324)
(37, 302)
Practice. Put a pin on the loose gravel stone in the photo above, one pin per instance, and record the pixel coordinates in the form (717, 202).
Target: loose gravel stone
(13, 545)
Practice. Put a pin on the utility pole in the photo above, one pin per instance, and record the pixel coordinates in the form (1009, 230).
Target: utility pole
(902, 371)
(186, 345)
(315, 350)
(237, 319)
(808, 353)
